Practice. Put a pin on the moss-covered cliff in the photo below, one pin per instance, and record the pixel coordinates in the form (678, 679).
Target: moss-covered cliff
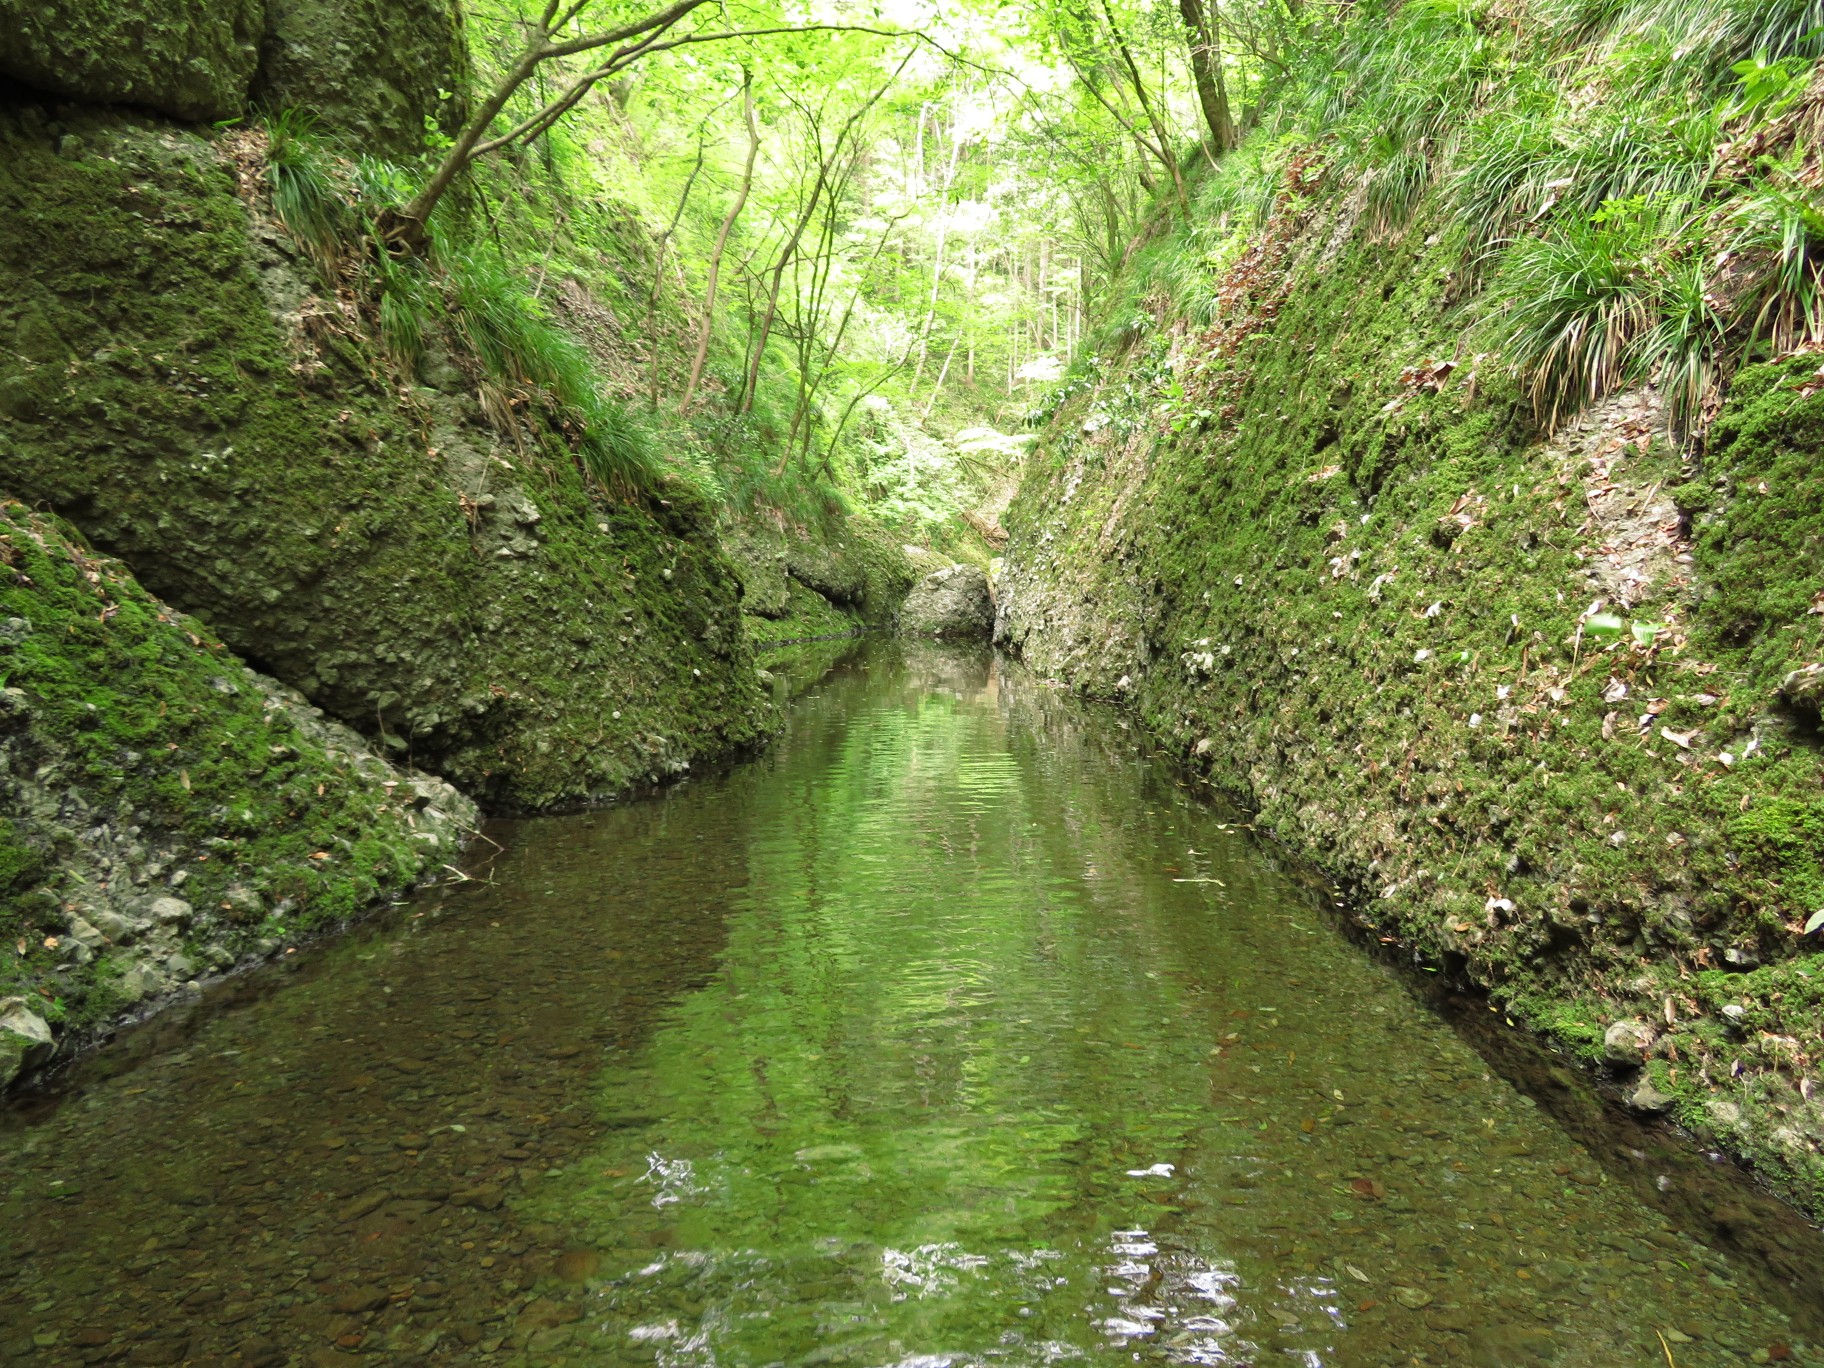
(184, 393)
(202, 396)
(168, 812)
(1521, 695)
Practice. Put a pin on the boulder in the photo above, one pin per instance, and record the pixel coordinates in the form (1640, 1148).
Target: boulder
(171, 911)
(25, 1038)
(1649, 1100)
(193, 59)
(1625, 1043)
(1803, 690)
(373, 71)
(955, 604)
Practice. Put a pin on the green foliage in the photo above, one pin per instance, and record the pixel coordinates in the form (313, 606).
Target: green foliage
(304, 191)
(513, 334)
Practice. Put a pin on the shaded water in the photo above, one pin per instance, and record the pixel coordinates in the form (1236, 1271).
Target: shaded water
(952, 1031)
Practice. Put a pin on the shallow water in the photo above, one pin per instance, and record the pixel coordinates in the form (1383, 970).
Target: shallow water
(951, 1031)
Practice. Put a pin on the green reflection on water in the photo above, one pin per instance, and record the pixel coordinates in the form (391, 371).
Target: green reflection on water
(937, 1037)
(949, 1030)
(1014, 1054)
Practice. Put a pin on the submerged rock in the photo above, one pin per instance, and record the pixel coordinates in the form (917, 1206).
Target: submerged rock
(955, 604)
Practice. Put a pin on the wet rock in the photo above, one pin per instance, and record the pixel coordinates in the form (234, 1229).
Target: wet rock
(363, 1205)
(1511, 1346)
(159, 1353)
(1649, 1100)
(954, 604)
(25, 1039)
(544, 1314)
(577, 1265)
(359, 1299)
(1803, 690)
(1626, 1042)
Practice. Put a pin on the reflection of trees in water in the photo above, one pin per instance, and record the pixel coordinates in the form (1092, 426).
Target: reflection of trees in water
(928, 1039)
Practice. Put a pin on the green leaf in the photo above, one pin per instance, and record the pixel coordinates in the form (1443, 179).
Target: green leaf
(1644, 632)
(1813, 922)
(1602, 624)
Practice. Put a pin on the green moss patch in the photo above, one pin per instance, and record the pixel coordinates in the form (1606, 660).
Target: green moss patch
(141, 761)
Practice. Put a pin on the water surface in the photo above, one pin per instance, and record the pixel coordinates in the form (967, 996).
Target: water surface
(952, 1031)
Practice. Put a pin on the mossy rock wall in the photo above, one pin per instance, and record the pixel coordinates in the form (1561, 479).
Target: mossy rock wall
(168, 812)
(193, 59)
(373, 71)
(1352, 586)
(803, 583)
(176, 385)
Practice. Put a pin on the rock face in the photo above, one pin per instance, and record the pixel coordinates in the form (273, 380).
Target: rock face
(954, 604)
(1356, 600)
(185, 394)
(192, 59)
(372, 70)
(169, 813)
(804, 583)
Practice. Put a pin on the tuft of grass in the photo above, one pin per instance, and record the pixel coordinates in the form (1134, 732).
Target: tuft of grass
(409, 300)
(1778, 233)
(1570, 306)
(1682, 349)
(524, 350)
(304, 191)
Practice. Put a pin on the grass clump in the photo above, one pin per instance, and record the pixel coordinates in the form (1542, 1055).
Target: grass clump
(305, 194)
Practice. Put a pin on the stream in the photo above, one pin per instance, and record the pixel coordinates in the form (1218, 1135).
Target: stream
(952, 1030)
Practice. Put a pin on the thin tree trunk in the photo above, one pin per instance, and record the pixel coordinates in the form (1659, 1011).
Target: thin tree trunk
(937, 267)
(1160, 135)
(937, 389)
(825, 164)
(728, 225)
(1206, 72)
(658, 271)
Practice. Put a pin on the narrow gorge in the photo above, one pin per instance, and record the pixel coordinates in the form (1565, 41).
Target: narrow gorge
(922, 684)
